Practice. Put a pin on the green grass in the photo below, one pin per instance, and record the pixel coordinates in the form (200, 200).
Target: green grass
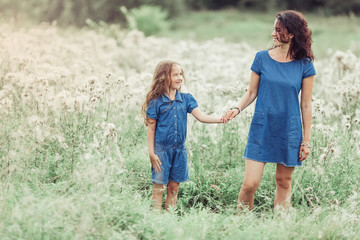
(254, 28)
(73, 151)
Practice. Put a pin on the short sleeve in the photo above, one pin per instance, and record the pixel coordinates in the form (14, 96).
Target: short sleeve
(309, 69)
(152, 110)
(256, 65)
(191, 103)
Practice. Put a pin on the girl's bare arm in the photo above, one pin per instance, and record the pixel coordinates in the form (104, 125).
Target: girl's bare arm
(205, 118)
(154, 159)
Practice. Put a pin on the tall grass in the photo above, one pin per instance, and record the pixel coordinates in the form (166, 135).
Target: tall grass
(73, 154)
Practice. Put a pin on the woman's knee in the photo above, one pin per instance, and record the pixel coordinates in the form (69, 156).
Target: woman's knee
(283, 182)
(250, 186)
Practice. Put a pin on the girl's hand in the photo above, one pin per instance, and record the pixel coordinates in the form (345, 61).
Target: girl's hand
(155, 162)
(304, 152)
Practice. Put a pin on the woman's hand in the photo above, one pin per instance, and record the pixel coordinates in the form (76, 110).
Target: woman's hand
(229, 114)
(304, 152)
(155, 162)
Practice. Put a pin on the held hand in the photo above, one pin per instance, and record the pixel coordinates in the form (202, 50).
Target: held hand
(224, 118)
(233, 113)
(304, 152)
(155, 162)
(229, 115)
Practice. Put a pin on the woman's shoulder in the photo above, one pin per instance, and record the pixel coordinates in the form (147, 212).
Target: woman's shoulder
(262, 53)
(307, 60)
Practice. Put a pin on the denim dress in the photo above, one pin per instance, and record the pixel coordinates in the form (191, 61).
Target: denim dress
(276, 131)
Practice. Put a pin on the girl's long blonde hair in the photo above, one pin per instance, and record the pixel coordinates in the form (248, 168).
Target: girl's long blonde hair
(160, 84)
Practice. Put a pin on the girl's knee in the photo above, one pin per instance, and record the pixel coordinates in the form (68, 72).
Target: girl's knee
(158, 188)
(172, 188)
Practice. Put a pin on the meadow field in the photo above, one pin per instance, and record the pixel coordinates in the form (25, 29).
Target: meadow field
(73, 151)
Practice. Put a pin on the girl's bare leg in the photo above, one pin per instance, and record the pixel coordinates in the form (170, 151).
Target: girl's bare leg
(157, 193)
(252, 178)
(172, 191)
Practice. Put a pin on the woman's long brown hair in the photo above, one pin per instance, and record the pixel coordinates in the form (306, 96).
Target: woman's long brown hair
(293, 22)
(160, 84)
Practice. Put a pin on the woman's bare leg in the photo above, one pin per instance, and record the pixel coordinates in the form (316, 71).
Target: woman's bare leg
(252, 178)
(283, 179)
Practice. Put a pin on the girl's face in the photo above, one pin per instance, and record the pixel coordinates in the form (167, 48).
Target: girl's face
(280, 36)
(176, 77)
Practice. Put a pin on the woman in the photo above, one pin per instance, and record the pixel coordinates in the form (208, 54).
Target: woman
(275, 134)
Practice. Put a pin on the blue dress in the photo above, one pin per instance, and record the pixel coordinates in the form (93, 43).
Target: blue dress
(276, 131)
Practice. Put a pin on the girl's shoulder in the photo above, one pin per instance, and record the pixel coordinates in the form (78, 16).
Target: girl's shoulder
(186, 96)
(155, 101)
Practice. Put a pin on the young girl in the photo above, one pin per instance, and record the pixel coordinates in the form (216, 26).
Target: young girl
(165, 111)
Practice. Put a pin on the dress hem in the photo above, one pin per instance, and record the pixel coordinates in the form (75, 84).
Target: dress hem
(272, 162)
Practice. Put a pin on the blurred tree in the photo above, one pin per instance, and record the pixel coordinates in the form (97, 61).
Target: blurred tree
(211, 4)
(301, 5)
(77, 11)
(147, 18)
(9, 8)
(254, 4)
(335, 7)
(173, 7)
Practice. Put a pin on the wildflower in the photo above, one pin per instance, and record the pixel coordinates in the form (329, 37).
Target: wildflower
(110, 131)
(92, 80)
(322, 157)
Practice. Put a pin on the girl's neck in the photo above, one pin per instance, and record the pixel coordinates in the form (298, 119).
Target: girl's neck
(171, 94)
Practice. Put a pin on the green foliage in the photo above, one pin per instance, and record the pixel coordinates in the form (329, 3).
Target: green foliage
(148, 19)
(334, 7)
(69, 12)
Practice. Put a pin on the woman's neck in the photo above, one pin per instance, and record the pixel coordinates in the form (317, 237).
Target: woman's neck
(284, 49)
(281, 53)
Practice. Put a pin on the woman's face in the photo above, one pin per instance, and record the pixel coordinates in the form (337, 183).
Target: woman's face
(280, 35)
